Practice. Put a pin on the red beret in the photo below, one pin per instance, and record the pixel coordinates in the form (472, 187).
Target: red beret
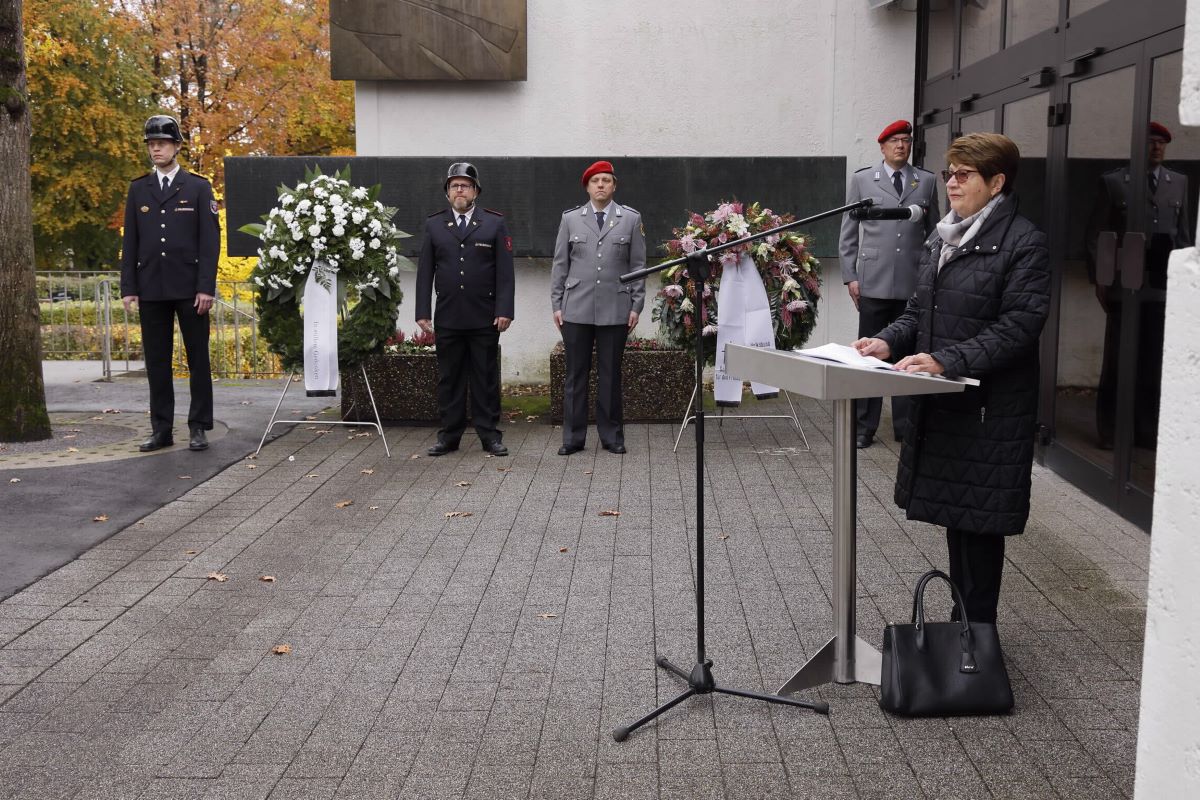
(899, 126)
(1160, 130)
(595, 169)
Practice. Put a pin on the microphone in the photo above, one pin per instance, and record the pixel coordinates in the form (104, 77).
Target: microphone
(910, 213)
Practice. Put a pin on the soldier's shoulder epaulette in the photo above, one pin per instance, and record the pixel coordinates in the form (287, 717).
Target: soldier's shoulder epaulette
(572, 208)
(434, 214)
(630, 208)
(493, 211)
(137, 178)
(862, 169)
(922, 169)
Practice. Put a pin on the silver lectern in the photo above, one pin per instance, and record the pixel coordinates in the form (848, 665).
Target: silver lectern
(845, 658)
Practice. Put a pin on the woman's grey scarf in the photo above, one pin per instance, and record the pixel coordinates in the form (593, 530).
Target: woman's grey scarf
(956, 232)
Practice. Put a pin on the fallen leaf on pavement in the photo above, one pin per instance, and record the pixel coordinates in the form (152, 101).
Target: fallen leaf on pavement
(463, 483)
(111, 411)
(312, 475)
(251, 456)
(367, 471)
(245, 402)
(610, 512)
(372, 508)
(531, 418)
(14, 480)
(562, 549)
(219, 577)
(267, 578)
(310, 417)
(322, 433)
(343, 503)
(364, 435)
(251, 466)
(450, 514)
(190, 552)
(722, 536)
(100, 518)
(413, 457)
(69, 436)
(72, 449)
(548, 616)
(281, 649)
(587, 472)
(503, 469)
(185, 477)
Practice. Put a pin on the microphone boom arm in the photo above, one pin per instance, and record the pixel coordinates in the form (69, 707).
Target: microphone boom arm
(708, 252)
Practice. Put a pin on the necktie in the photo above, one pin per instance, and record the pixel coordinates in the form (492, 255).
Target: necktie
(462, 223)
(165, 183)
(1153, 182)
(600, 220)
(898, 182)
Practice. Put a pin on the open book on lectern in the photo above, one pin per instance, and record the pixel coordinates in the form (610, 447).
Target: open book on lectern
(848, 356)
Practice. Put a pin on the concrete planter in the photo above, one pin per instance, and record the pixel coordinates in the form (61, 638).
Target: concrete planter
(405, 387)
(656, 384)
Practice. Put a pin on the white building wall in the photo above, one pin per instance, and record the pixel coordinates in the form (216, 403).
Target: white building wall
(1168, 753)
(630, 78)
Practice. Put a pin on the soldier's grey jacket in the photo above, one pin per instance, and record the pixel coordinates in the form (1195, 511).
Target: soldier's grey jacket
(587, 263)
(1166, 208)
(882, 254)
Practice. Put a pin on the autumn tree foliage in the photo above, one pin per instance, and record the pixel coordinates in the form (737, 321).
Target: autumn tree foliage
(90, 88)
(244, 77)
(248, 77)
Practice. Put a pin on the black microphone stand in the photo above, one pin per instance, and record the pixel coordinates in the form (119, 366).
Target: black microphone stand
(700, 680)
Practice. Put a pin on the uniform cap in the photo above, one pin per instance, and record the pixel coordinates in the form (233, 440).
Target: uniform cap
(897, 127)
(1158, 129)
(596, 169)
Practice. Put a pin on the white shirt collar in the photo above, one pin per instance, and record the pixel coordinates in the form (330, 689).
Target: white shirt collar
(890, 172)
(608, 209)
(469, 213)
(170, 176)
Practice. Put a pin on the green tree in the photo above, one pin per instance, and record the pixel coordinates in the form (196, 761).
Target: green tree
(22, 394)
(91, 87)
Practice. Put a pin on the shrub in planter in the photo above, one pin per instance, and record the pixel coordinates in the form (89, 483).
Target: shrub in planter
(656, 382)
(403, 378)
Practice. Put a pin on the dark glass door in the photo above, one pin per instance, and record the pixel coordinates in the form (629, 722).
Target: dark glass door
(1125, 207)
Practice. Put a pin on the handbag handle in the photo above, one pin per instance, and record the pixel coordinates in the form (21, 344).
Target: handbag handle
(918, 618)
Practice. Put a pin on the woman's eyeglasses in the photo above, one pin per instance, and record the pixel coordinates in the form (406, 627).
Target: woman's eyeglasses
(960, 175)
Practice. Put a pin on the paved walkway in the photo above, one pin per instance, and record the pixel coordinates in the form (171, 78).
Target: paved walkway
(475, 627)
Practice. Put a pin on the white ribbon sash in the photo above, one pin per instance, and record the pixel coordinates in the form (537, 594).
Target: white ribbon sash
(743, 317)
(320, 336)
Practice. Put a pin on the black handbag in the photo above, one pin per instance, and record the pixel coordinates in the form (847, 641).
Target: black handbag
(934, 669)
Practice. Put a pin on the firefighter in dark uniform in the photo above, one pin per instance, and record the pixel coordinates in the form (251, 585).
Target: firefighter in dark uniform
(169, 271)
(466, 257)
(1167, 226)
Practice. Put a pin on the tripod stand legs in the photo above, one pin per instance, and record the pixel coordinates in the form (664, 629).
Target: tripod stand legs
(701, 681)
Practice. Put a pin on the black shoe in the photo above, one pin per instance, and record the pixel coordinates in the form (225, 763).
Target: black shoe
(157, 441)
(198, 441)
(441, 448)
(618, 448)
(863, 440)
(495, 448)
(568, 449)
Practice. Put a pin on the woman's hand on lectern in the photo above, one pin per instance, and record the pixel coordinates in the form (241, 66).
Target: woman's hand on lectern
(872, 347)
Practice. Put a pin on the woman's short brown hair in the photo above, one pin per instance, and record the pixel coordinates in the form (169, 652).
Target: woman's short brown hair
(990, 153)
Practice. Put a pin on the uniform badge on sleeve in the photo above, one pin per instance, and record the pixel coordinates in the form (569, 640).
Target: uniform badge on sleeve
(212, 204)
(508, 243)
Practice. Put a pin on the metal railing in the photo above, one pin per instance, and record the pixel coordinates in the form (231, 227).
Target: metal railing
(83, 319)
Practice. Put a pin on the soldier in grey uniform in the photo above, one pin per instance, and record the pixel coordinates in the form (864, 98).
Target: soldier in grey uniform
(1168, 226)
(880, 257)
(597, 243)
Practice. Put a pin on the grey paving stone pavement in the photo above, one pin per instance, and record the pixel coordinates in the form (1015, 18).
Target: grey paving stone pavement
(470, 626)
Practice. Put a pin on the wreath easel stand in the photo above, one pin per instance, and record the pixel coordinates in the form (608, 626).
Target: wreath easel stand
(377, 424)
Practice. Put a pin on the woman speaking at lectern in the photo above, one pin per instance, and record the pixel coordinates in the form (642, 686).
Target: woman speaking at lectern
(983, 292)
